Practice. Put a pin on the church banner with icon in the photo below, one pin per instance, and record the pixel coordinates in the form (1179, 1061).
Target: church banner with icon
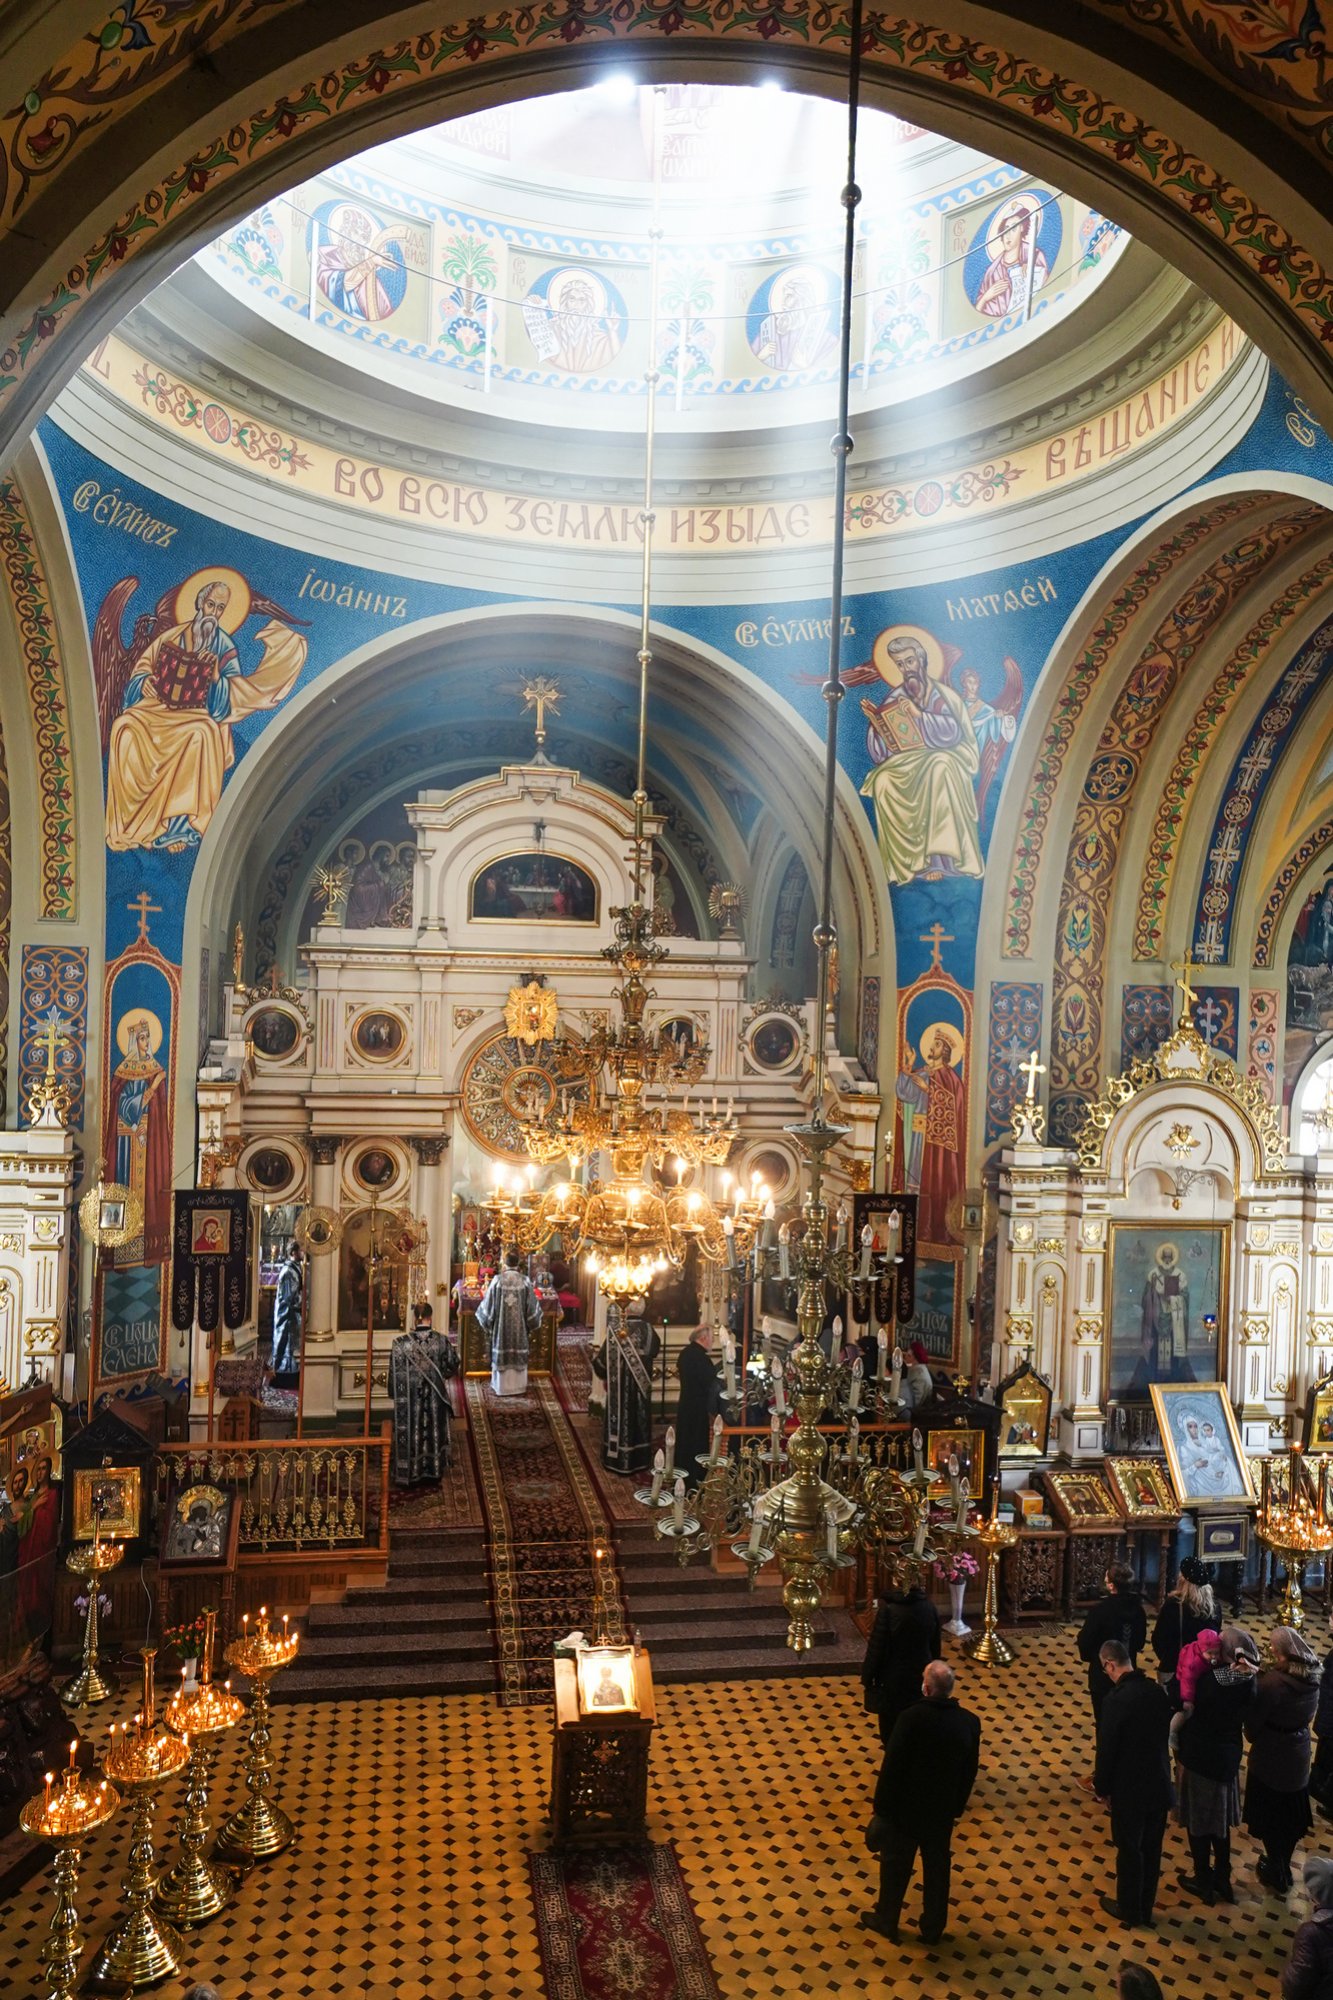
(210, 1257)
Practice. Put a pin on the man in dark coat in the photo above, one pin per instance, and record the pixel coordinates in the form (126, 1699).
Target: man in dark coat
(699, 1397)
(1134, 1775)
(1119, 1615)
(924, 1783)
(904, 1639)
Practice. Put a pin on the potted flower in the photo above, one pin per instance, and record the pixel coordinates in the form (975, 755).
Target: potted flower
(957, 1568)
(185, 1641)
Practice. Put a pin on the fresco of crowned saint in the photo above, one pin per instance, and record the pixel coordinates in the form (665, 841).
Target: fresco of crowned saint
(924, 746)
(798, 330)
(1017, 268)
(169, 696)
(574, 320)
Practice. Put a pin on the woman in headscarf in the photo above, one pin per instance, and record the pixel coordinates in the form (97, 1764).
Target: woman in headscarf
(1308, 1972)
(918, 1382)
(1187, 1611)
(1277, 1778)
(1209, 1749)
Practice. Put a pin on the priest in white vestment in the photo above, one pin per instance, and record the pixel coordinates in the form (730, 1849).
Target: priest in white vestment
(509, 1313)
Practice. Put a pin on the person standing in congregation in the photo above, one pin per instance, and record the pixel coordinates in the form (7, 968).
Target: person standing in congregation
(925, 1781)
(1185, 1613)
(1133, 1775)
(1308, 1972)
(904, 1639)
(1120, 1616)
(699, 1398)
(509, 1314)
(1277, 1777)
(1321, 1775)
(1209, 1749)
(287, 1314)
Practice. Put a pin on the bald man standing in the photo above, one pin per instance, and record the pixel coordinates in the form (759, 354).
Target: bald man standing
(925, 1782)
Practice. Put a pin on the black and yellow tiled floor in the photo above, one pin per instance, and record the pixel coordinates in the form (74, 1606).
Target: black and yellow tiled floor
(409, 1879)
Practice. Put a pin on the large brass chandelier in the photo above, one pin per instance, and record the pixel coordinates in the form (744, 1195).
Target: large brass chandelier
(634, 1226)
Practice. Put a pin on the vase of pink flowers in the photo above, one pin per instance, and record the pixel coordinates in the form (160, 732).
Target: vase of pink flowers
(957, 1569)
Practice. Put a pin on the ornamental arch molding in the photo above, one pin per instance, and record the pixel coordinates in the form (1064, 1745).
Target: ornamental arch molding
(117, 161)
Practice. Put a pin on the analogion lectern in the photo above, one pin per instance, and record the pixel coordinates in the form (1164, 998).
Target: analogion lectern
(604, 1716)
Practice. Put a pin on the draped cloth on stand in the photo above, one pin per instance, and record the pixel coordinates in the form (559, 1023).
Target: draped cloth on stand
(627, 1431)
(419, 1367)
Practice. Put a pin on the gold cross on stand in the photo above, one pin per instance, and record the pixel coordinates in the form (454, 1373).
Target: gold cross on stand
(1188, 994)
(1031, 1069)
(143, 909)
(53, 1036)
(935, 937)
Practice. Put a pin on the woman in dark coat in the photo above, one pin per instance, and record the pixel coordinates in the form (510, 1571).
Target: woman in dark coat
(1187, 1611)
(1277, 1779)
(699, 1398)
(1209, 1748)
(1321, 1777)
(1119, 1615)
(1308, 1972)
(904, 1639)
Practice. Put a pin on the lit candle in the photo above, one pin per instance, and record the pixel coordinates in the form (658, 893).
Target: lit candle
(678, 1503)
(73, 1752)
(896, 1377)
(659, 1473)
(858, 1374)
(918, 1451)
(670, 1450)
(881, 1352)
(779, 1391)
(50, 1780)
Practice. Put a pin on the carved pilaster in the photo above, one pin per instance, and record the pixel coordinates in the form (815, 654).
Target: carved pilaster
(429, 1148)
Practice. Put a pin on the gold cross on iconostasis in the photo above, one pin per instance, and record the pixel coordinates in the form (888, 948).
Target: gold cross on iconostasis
(541, 694)
(1188, 993)
(1031, 1069)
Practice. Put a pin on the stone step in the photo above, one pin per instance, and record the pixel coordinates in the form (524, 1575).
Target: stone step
(462, 1591)
(725, 1636)
(441, 1566)
(373, 1618)
(325, 1650)
(365, 1680)
(649, 1612)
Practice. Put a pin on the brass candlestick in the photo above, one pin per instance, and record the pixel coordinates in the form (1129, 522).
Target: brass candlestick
(195, 1889)
(258, 1830)
(65, 1818)
(988, 1648)
(92, 1561)
(141, 1949)
(1295, 1526)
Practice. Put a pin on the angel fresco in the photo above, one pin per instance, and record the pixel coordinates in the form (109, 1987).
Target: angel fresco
(168, 697)
(936, 749)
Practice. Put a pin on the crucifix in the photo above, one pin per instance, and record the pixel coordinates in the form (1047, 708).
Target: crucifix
(52, 1037)
(1188, 996)
(143, 909)
(541, 694)
(1031, 1070)
(935, 937)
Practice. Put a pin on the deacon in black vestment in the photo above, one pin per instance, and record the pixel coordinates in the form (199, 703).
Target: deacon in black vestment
(699, 1398)
(420, 1365)
(924, 1783)
(627, 1421)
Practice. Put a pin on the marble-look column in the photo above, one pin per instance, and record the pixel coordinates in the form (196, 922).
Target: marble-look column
(324, 1149)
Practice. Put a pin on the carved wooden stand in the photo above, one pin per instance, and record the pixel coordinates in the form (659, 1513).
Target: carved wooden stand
(599, 1763)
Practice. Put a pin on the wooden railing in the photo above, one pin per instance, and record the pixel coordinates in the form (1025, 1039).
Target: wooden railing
(311, 1494)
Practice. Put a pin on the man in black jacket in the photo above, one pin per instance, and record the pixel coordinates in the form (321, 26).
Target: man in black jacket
(925, 1781)
(1119, 1615)
(904, 1639)
(1134, 1774)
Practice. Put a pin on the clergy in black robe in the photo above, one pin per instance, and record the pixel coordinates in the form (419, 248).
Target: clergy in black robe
(700, 1395)
(627, 1421)
(420, 1364)
(287, 1314)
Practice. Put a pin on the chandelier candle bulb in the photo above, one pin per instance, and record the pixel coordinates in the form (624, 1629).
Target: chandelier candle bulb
(832, 1542)
(779, 1391)
(678, 1503)
(858, 1376)
(918, 1443)
(953, 1479)
(729, 1364)
(784, 1252)
(756, 1530)
(670, 1465)
(961, 1523)
(881, 1350)
(773, 1439)
(867, 1245)
(854, 1439)
(659, 1473)
(896, 1378)
(715, 1447)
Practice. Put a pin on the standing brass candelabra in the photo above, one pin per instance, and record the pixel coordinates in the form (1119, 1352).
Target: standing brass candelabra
(988, 1648)
(195, 1889)
(65, 1819)
(1294, 1524)
(92, 1561)
(258, 1830)
(141, 1949)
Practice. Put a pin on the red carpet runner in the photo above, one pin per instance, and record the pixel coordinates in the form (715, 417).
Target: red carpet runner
(543, 1518)
(615, 1921)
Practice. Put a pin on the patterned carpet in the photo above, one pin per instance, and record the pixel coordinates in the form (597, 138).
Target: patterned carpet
(613, 1921)
(543, 1518)
(417, 1817)
(573, 1380)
